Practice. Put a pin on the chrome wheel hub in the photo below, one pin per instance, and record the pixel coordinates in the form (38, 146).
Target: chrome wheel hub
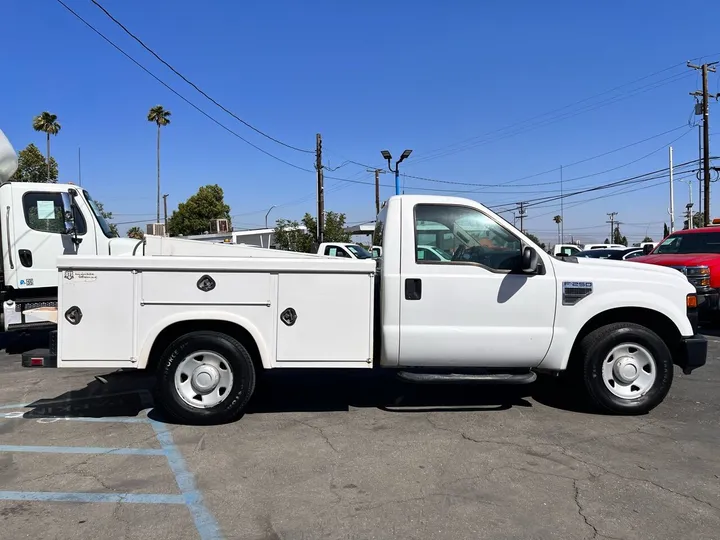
(203, 379)
(629, 371)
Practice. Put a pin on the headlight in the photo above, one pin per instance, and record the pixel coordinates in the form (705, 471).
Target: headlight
(694, 271)
(699, 276)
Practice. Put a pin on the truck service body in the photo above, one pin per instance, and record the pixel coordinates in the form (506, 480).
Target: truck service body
(500, 310)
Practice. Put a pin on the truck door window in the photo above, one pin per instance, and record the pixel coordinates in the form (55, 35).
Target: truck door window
(335, 251)
(44, 212)
(466, 235)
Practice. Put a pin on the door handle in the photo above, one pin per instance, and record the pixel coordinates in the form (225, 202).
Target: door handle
(7, 234)
(25, 256)
(413, 289)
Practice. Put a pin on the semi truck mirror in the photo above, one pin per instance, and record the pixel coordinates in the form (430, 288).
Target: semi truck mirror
(529, 260)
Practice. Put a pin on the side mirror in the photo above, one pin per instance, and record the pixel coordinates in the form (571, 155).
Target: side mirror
(647, 248)
(529, 260)
(69, 216)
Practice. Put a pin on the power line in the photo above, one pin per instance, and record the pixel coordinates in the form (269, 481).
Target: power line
(447, 150)
(186, 100)
(148, 49)
(598, 173)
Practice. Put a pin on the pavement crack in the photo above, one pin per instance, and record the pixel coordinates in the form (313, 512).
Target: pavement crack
(321, 433)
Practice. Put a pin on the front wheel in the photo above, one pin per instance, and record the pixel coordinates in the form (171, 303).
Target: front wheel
(627, 368)
(205, 378)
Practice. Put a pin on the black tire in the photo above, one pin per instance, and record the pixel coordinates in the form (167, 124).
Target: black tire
(240, 363)
(595, 347)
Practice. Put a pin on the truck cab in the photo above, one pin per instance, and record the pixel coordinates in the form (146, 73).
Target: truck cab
(696, 254)
(40, 222)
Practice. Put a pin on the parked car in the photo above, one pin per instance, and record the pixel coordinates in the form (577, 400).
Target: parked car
(612, 254)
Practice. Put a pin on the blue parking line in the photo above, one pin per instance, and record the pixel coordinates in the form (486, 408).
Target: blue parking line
(83, 450)
(53, 496)
(205, 523)
(106, 420)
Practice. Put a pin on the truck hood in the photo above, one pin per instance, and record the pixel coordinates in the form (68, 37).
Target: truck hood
(684, 259)
(622, 272)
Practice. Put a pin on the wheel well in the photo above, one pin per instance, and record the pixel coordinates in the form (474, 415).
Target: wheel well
(654, 320)
(174, 331)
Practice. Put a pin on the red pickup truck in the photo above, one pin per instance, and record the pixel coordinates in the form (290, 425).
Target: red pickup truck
(695, 253)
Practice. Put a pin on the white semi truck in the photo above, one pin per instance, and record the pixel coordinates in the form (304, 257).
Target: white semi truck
(499, 311)
(38, 223)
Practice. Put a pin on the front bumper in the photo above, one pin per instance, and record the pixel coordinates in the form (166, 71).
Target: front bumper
(708, 304)
(691, 353)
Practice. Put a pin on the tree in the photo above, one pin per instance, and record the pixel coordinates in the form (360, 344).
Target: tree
(558, 220)
(698, 220)
(136, 233)
(32, 166)
(647, 239)
(108, 216)
(194, 215)
(535, 239)
(161, 117)
(618, 238)
(606, 241)
(288, 236)
(666, 231)
(48, 124)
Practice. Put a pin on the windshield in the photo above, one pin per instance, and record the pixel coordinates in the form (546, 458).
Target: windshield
(690, 243)
(359, 251)
(98, 215)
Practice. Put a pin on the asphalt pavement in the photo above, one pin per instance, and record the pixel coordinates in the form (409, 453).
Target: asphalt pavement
(355, 455)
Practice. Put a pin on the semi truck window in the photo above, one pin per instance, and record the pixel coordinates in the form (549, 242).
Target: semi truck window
(465, 235)
(44, 213)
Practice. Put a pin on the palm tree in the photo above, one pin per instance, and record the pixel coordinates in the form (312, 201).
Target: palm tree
(136, 233)
(558, 220)
(48, 124)
(161, 117)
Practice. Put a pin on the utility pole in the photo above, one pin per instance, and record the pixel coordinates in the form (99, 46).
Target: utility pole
(705, 69)
(320, 190)
(562, 208)
(377, 172)
(521, 214)
(612, 225)
(672, 193)
(165, 211)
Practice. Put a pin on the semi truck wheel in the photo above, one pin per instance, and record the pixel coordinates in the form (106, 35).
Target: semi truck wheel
(627, 368)
(205, 378)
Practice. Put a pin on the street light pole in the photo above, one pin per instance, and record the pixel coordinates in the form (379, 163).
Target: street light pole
(268, 213)
(396, 170)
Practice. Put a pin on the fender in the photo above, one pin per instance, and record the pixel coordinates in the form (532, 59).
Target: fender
(571, 319)
(183, 316)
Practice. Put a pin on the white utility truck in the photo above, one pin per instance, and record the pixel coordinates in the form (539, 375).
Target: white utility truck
(345, 250)
(499, 311)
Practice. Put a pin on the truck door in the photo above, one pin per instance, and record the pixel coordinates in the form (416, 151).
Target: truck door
(477, 308)
(39, 236)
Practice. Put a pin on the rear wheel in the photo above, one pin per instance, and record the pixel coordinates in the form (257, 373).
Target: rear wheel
(205, 378)
(627, 368)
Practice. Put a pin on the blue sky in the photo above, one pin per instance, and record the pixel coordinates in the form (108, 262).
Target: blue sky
(368, 76)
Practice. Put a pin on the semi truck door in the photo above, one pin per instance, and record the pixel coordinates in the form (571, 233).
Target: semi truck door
(40, 236)
(478, 308)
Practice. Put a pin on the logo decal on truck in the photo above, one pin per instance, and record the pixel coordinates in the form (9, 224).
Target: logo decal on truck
(574, 291)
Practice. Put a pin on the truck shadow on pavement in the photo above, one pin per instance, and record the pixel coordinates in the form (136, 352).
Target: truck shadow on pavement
(128, 394)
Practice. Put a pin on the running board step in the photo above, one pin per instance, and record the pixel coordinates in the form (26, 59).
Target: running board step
(468, 378)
